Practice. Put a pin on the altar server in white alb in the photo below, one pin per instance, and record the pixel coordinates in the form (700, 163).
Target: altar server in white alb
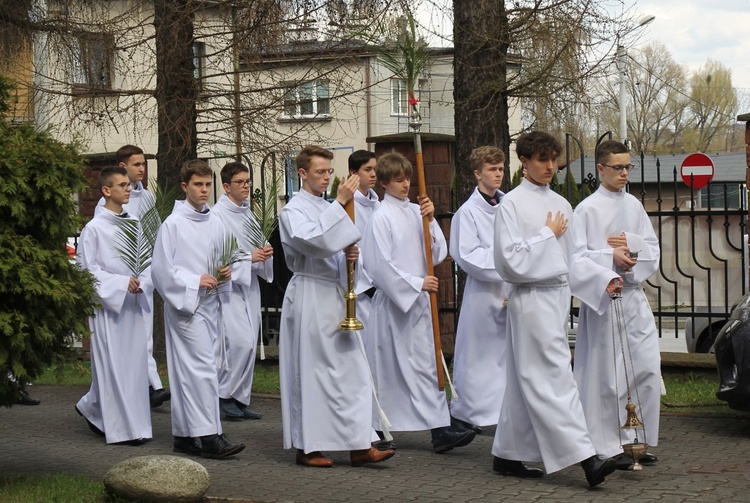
(403, 360)
(541, 418)
(187, 240)
(133, 160)
(615, 223)
(326, 394)
(241, 316)
(116, 406)
(362, 163)
(479, 355)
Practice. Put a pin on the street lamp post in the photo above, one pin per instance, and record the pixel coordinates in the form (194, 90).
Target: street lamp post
(621, 65)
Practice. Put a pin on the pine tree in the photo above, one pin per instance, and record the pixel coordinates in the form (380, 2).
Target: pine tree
(44, 299)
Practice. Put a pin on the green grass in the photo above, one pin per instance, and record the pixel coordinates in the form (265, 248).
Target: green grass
(687, 392)
(693, 392)
(78, 373)
(51, 488)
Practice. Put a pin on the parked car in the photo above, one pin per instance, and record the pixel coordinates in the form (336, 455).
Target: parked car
(732, 348)
(701, 331)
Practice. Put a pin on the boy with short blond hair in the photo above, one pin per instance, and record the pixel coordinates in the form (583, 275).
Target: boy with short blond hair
(241, 316)
(186, 242)
(479, 355)
(116, 406)
(403, 364)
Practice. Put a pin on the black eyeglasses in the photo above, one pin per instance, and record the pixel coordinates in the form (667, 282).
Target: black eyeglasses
(620, 167)
(123, 185)
(241, 183)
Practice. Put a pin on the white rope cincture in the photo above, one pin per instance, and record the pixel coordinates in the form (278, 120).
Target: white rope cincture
(385, 424)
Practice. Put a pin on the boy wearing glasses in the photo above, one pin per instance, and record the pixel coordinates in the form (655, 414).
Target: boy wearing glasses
(241, 316)
(326, 402)
(133, 160)
(116, 406)
(614, 225)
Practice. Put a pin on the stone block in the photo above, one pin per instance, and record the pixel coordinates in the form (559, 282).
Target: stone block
(158, 478)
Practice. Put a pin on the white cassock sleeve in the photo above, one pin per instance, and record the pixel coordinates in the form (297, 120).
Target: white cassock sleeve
(178, 287)
(147, 286)
(647, 245)
(319, 238)
(112, 288)
(402, 287)
(588, 278)
(520, 260)
(468, 251)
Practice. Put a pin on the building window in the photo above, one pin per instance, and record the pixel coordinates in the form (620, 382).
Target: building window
(199, 63)
(93, 55)
(400, 98)
(307, 100)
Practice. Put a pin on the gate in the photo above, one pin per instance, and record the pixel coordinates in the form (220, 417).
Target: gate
(702, 235)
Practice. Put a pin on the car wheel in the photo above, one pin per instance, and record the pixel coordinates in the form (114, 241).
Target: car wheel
(707, 339)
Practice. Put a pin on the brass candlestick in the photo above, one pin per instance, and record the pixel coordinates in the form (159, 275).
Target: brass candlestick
(350, 323)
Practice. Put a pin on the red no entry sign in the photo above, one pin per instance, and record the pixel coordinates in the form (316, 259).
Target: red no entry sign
(697, 170)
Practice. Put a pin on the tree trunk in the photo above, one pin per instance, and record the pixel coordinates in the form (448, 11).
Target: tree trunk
(176, 87)
(480, 34)
(176, 96)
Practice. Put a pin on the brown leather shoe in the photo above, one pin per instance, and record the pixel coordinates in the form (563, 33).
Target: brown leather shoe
(315, 459)
(371, 455)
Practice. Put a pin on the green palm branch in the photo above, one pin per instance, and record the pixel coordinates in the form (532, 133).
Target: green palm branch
(164, 197)
(407, 58)
(260, 218)
(133, 245)
(225, 253)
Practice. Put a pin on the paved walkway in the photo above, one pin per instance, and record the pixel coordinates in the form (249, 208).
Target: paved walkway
(703, 459)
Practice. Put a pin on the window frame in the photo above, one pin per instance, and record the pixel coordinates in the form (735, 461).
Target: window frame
(310, 99)
(404, 98)
(93, 55)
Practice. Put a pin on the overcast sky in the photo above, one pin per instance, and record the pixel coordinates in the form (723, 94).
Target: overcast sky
(692, 31)
(695, 30)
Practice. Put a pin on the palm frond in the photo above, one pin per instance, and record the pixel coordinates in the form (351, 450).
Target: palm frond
(407, 58)
(260, 218)
(164, 197)
(224, 253)
(134, 247)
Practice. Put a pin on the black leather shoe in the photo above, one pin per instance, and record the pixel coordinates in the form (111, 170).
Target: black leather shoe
(446, 438)
(156, 397)
(466, 426)
(385, 445)
(648, 459)
(187, 445)
(515, 469)
(92, 426)
(597, 468)
(230, 409)
(218, 447)
(25, 399)
(248, 414)
(133, 443)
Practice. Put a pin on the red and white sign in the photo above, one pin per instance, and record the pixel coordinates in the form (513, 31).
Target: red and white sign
(697, 170)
